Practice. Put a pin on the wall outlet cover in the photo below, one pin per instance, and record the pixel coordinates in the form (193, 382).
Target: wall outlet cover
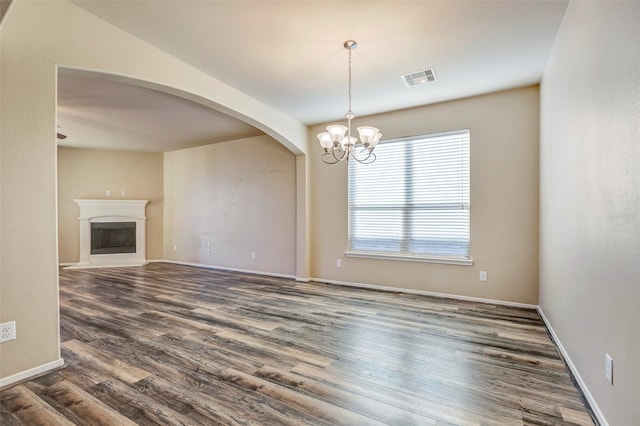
(7, 331)
(608, 368)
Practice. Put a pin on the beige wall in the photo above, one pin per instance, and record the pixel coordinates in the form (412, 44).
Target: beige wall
(504, 202)
(84, 173)
(590, 202)
(28, 261)
(238, 196)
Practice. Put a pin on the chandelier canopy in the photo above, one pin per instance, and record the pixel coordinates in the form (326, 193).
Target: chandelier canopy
(337, 142)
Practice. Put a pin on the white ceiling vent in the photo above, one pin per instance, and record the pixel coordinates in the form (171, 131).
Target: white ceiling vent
(417, 78)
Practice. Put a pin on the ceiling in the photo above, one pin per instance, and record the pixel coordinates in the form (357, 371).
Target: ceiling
(97, 112)
(289, 55)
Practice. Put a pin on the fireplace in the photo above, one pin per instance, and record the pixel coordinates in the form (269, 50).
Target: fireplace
(112, 233)
(113, 237)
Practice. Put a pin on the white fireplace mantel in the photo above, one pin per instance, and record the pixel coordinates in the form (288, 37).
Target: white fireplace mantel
(92, 211)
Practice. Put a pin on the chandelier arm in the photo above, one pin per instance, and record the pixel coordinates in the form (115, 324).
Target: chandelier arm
(331, 158)
(367, 160)
(345, 154)
(370, 156)
(335, 155)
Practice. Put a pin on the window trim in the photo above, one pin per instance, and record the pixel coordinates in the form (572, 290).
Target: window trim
(417, 257)
(447, 260)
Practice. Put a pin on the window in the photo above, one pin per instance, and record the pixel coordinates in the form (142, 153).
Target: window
(413, 201)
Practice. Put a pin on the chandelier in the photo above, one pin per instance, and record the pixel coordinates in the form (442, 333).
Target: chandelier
(337, 142)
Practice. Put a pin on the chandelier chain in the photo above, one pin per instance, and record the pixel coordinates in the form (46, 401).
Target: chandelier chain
(350, 80)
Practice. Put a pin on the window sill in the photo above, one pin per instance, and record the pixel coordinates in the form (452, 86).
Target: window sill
(411, 258)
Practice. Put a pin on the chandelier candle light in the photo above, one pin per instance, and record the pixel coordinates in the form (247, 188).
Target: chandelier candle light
(337, 142)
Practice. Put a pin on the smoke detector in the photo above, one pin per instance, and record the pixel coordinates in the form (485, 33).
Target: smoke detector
(418, 78)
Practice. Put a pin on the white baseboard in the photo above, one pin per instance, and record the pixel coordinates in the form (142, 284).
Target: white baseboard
(427, 293)
(97, 265)
(583, 386)
(199, 265)
(224, 268)
(30, 373)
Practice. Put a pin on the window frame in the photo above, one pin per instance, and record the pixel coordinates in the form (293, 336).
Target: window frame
(451, 259)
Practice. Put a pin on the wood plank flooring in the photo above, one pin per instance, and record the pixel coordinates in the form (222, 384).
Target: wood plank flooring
(171, 344)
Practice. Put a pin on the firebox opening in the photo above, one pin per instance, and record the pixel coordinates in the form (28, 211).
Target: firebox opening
(113, 237)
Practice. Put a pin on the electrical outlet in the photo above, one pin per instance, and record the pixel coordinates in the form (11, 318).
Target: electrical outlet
(7, 331)
(108, 192)
(483, 276)
(253, 254)
(175, 247)
(608, 368)
(338, 263)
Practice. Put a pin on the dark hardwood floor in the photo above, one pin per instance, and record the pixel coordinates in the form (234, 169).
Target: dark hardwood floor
(171, 344)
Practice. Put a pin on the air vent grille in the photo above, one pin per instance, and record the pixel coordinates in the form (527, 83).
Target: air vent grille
(417, 78)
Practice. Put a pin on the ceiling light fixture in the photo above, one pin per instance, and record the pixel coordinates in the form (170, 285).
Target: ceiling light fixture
(337, 142)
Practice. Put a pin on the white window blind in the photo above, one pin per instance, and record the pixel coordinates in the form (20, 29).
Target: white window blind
(414, 199)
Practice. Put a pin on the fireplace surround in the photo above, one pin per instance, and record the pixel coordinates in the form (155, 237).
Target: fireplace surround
(112, 233)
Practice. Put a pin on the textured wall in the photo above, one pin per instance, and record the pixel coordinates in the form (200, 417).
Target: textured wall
(590, 198)
(504, 201)
(28, 264)
(224, 201)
